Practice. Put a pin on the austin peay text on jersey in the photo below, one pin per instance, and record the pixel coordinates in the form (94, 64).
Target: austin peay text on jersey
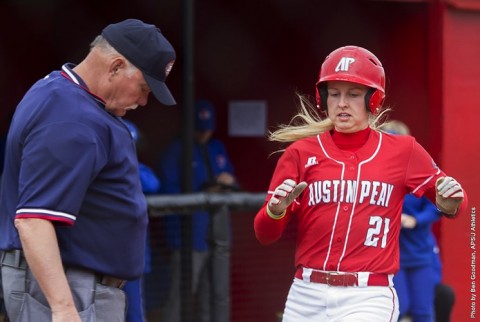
(372, 192)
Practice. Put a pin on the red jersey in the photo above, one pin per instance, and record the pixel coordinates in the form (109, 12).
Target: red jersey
(349, 214)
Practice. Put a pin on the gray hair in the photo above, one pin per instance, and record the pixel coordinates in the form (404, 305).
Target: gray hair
(106, 49)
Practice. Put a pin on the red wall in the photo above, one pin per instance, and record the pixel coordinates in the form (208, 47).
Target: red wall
(461, 152)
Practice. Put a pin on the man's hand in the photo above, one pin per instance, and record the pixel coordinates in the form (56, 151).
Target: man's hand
(284, 195)
(449, 195)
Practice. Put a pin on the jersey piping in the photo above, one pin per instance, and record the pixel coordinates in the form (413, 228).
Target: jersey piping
(342, 176)
(355, 200)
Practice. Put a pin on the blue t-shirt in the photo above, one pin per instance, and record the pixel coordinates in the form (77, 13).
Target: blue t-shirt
(171, 177)
(71, 162)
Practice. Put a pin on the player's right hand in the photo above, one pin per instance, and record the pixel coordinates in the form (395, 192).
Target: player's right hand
(284, 195)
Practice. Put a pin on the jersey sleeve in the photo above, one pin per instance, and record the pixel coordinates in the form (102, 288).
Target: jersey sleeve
(58, 162)
(267, 229)
(423, 174)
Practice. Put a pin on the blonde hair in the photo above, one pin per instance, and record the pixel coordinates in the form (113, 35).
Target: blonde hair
(308, 122)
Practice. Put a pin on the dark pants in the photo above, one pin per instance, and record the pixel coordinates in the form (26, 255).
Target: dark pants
(3, 317)
(444, 301)
(25, 302)
(210, 275)
(221, 242)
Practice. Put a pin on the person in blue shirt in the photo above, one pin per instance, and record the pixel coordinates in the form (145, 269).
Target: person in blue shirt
(134, 289)
(415, 281)
(212, 172)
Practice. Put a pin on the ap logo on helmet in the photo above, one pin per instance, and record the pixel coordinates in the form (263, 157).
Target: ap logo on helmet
(344, 64)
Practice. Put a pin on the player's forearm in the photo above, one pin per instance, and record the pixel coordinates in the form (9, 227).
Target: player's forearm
(268, 230)
(41, 250)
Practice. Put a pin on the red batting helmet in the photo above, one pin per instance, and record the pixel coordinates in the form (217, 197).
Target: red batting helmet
(357, 65)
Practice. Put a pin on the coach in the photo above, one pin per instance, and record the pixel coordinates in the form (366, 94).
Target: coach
(73, 217)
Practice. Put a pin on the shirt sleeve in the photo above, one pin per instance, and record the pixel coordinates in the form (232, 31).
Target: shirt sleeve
(58, 162)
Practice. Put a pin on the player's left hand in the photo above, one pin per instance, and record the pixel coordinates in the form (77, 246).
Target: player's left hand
(449, 195)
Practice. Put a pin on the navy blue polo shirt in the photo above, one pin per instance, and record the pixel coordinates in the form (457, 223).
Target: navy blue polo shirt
(71, 162)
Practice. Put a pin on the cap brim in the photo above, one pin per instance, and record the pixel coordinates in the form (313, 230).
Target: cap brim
(160, 90)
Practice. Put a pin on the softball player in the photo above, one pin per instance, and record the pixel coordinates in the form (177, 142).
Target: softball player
(345, 181)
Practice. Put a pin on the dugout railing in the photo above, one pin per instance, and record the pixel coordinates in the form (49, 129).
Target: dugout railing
(162, 205)
(187, 203)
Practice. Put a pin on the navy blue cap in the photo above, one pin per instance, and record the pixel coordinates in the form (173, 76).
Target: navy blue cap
(204, 116)
(146, 48)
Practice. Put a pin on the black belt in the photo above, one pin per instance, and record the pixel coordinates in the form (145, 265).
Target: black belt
(15, 258)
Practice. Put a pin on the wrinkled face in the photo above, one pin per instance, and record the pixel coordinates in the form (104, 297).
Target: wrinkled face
(128, 90)
(346, 106)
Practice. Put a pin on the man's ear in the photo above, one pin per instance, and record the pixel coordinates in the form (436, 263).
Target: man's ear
(116, 64)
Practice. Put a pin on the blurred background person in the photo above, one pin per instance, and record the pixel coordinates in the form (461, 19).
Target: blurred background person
(150, 185)
(212, 172)
(415, 282)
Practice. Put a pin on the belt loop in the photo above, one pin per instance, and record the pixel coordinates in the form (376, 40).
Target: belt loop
(363, 279)
(2, 257)
(306, 273)
(390, 280)
(18, 257)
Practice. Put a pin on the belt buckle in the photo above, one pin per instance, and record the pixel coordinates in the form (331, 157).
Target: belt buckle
(342, 279)
(112, 281)
(334, 276)
(121, 284)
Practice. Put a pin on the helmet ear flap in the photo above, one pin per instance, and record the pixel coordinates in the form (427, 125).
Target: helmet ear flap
(321, 95)
(374, 100)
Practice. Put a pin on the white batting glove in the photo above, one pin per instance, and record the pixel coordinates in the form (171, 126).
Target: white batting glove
(449, 195)
(283, 196)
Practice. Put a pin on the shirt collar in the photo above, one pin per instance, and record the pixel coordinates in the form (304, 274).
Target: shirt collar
(67, 72)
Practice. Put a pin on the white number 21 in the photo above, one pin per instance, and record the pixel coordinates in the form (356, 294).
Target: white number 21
(373, 233)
